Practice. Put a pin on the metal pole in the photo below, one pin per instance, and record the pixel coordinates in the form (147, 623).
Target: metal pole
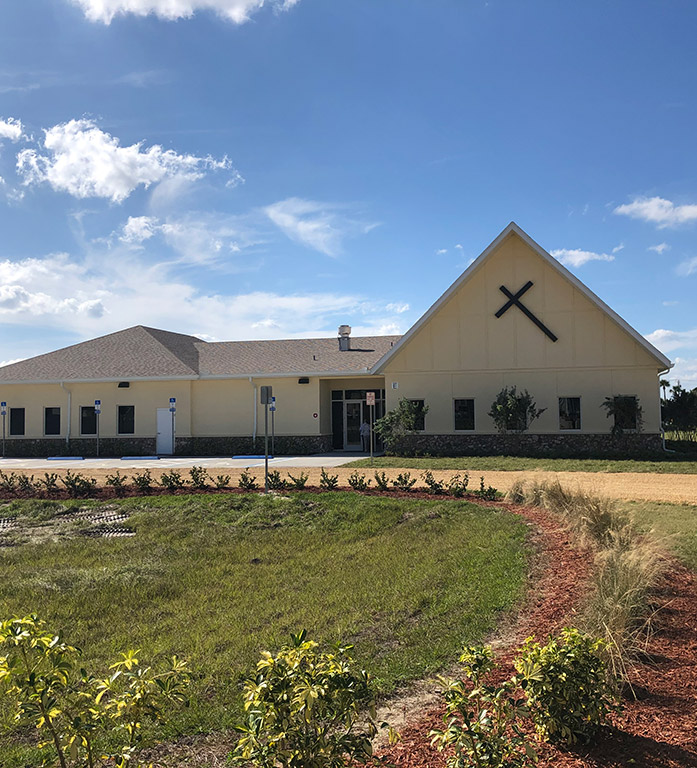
(174, 439)
(266, 447)
(273, 431)
(4, 414)
(97, 415)
(372, 421)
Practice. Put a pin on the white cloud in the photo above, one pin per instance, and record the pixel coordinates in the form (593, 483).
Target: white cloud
(659, 211)
(660, 249)
(102, 294)
(670, 303)
(85, 161)
(459, 247)
(575, 257)
(667, 340)
(321, 226)
(138, 229)
(237, 11)
(685, 372)
(398, 308)
(11, 129)
(688, 267)
(618, 248)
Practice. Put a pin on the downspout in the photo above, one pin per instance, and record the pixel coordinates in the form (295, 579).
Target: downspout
(660, 415)
(70, 401)
(254, 395)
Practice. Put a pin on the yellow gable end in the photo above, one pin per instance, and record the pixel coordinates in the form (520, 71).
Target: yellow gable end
(464, 334)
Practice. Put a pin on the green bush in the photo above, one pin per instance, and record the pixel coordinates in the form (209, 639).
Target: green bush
(328, 482)
(172, 480)
(566, 686)
(482, 721)
(26, 484)
(357, 481)
(512, 411)
(83, 721)
(404, 482)
(300, 481)
(117, 482)
(382, 482)
(8, 483)
(488, 493)
(222, 481)
(434, 486)
(306, 708)
(78, 485)
(276, 482)
(143, 481)
(247, 481)
(199, 477)
(49, 482)
(407, 418)
(457, 486)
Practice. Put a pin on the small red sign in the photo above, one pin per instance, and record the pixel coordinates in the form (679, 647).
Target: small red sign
(314, 415)
(370, 398)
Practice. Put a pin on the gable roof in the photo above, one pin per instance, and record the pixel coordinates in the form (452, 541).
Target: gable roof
(150, 353)
(514, 229)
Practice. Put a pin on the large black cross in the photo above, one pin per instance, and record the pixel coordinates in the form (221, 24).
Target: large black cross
(515, 299)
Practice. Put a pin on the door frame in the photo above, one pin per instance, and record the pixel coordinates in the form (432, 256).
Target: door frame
(164, 440)
(353, 446)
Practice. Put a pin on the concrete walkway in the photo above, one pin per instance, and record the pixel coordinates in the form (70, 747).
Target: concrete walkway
(168, 462)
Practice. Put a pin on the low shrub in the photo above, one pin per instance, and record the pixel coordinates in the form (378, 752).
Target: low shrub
(172, 480)
(457, 486)
(118, 482)
(487, 493)
(306, 708)
(49, 482)
(298, 482)
(222, 481)
(8, 483)
(358, 481)
(404, 482)
(77, 485)
(276, 482)
(434, 486)
(26, 484)
(82, 721)
(199, 478)
(328, 482)
(483, 722)
(566, 686)
(247, 481)
(143, 481)
(382, 482)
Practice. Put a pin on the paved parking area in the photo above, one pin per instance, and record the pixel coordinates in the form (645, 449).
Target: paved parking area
(168, 462)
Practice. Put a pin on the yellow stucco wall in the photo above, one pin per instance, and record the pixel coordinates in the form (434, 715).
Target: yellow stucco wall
(146, 396)
(465, 351)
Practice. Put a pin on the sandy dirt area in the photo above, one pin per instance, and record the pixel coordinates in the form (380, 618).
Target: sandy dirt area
(628, 486)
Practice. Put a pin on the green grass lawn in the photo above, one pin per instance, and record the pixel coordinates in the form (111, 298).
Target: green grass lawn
(676, 523)
(511, 463)
(217, 578)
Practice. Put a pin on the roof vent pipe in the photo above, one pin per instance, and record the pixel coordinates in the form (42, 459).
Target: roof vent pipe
(344, 338)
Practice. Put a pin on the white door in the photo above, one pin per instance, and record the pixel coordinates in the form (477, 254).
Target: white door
(164, 431)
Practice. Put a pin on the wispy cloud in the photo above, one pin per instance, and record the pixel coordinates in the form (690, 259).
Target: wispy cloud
(660, 249)
(667, 340)
(575, 257)
(657, 210)
(236, 11)
(688, 267)
(441, 251)
(79, 158)
(11, 129)
(398, 308)
(320, 226)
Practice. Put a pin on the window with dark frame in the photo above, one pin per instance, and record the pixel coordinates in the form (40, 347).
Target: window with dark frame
(127, 419)
(16, 421)
(88, 420)
(52, 421)
(626, 413)
(569, 413)
(420, 421)
(464, 414)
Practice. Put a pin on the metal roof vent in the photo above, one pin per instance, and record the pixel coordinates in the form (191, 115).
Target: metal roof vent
(344, 338)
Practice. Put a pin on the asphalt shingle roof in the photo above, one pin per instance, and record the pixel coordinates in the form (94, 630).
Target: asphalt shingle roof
(150, 353)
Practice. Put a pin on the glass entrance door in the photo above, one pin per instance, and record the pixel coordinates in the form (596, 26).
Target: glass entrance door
(353, 411)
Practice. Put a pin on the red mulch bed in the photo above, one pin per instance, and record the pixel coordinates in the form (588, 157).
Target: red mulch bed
(659, 728)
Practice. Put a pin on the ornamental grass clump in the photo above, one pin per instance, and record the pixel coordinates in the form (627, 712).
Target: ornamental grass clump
(306, 708)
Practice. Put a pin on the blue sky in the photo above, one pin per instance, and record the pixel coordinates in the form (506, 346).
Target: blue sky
(247, 169)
